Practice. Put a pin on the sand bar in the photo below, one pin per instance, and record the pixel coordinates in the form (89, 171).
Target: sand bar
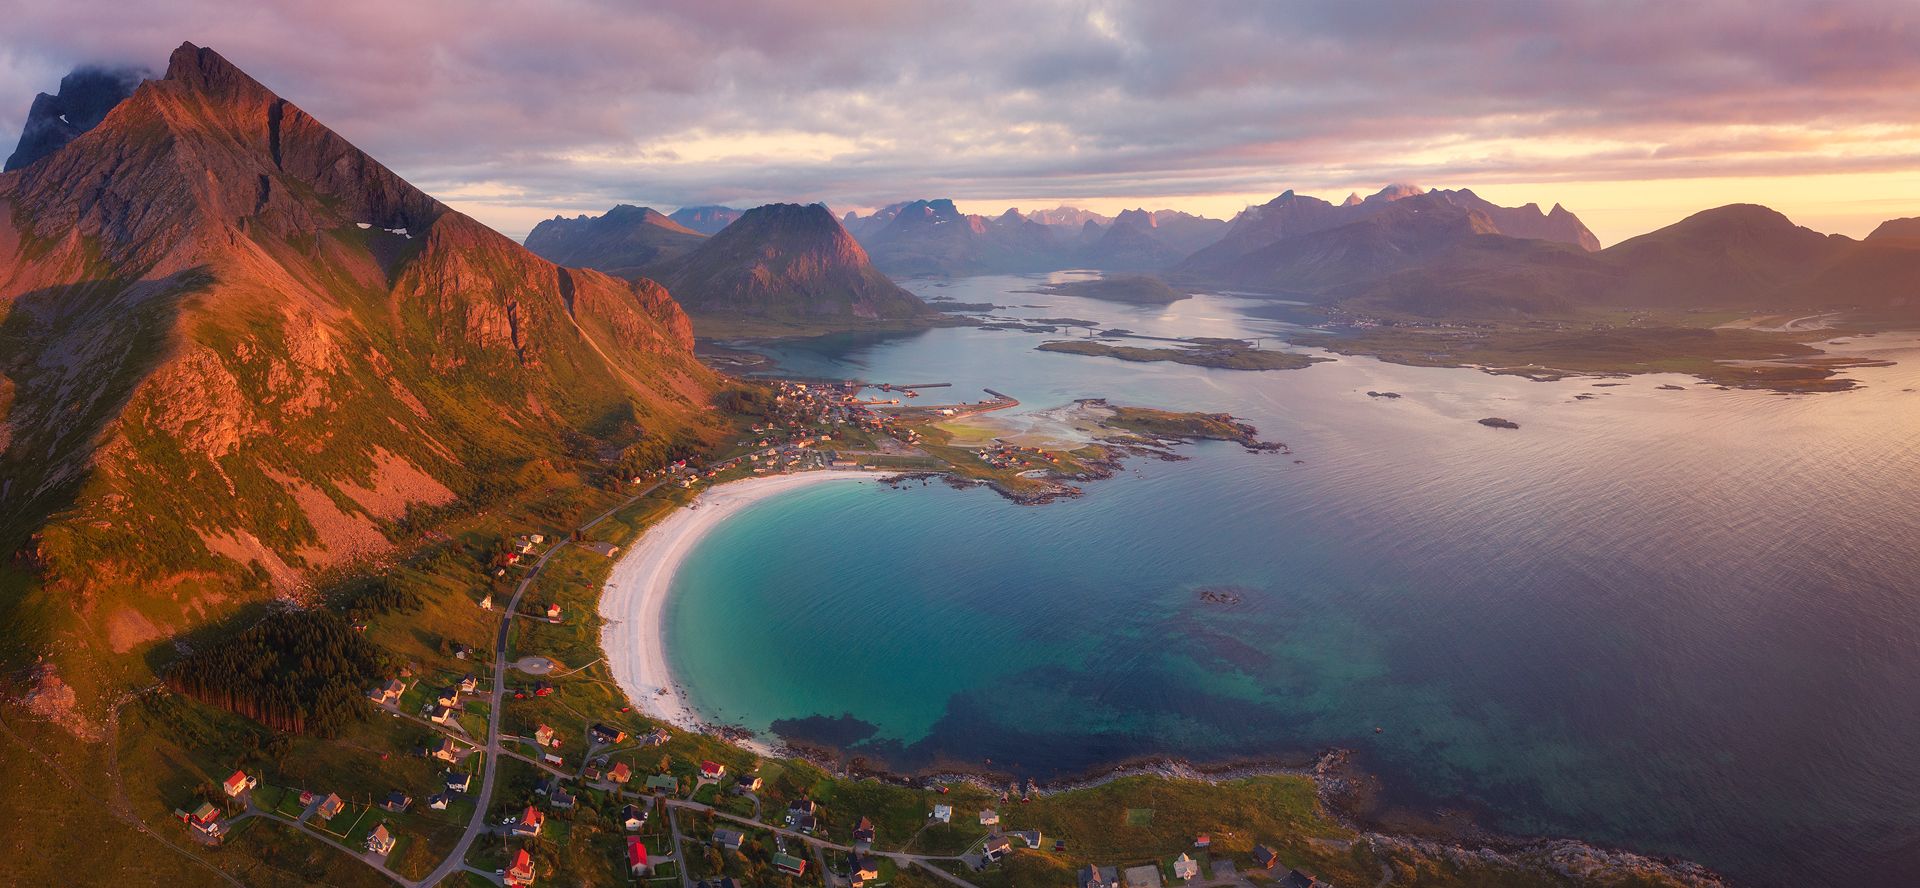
(634, 600)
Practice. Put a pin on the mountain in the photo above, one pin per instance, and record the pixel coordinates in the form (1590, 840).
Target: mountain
(85, 97)
(236, 352)
(1907, 229)
(1741, 257)
(1730, 256)
(1234, 259)
(1138, 240)
(933, 237)
(622, 242)
(788, 262)
(705, 220)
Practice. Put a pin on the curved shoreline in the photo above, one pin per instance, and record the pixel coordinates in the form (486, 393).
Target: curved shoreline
(633, 601)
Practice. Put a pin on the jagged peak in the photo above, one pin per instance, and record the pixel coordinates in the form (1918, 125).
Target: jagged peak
(1353, 199)
(205, 71)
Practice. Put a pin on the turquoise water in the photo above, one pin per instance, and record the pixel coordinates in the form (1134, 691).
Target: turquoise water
(1679, 621)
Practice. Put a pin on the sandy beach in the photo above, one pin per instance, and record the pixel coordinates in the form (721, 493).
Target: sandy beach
(634, 600)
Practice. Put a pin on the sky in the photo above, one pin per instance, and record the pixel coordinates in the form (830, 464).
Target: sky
(1632, 114)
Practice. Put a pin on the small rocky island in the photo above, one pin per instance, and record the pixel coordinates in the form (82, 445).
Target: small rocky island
(1495, 422)
(1135, 289)
(1220, 354)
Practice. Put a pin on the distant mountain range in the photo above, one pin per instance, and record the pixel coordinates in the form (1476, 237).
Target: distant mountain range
(932, 237)
(707, 219)
(1447, 254)
(236, 352)
(624, 241)
(787, 262)
(784, 262)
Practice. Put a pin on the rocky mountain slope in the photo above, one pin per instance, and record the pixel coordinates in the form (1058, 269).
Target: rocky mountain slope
(622, 242)
(788, 262)
(236, 352)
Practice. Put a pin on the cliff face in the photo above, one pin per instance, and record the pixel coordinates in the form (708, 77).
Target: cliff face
(789, 262)
(236, 349)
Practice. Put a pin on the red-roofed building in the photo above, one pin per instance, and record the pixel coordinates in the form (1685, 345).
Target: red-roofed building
(712, 770)
(239, 783)
(521, 871)
(620, 773)
(637, 856)
(530, 822)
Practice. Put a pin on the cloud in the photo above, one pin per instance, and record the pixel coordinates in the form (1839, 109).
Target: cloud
(579, 104)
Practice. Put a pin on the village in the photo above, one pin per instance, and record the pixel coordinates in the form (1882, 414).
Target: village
(530, 766)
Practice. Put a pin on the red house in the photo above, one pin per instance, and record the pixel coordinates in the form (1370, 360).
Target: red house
(637, 856)
(521, 872)
(712, 770)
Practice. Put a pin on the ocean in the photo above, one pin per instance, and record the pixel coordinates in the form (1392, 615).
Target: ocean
(1683, 622)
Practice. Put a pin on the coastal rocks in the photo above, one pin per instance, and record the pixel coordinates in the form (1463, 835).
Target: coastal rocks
(1388, 395)
(1672, 388)
(1220, 594)
(1495, 422)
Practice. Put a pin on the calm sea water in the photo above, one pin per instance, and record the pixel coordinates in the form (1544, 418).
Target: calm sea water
(1684, 622)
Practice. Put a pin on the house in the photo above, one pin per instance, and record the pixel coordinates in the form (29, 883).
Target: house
(1264, 858)
(1301, 879)
(469, 683)
(863, 832)
(1031, 836)
(805, 823)
(441, 715)
(632, 818)
(389, 693)
(397, 802)
(943, 813)
(542, 689)
(1185, 868)
(486, 604)
(662, 783)
(798, 807)
(560, 799)
(606, 736)
(238, 783)
(989, 817)
(863, 871)
(544, 736)
(205, 818)
(998, 847)
(1203, 841)
(458, 781)
(380, 841)
(789, 864)
(1099, 877)
(520, 872)
(553, 760)
(446, 752)
(553, 613)
(448, 696)
(728, 839)
(1147, 876)
(712, 770)
(748, 783)
(637, 856)
(620, 773)
(439, 801)
(530, 822)
(656, 737)
(329, 807)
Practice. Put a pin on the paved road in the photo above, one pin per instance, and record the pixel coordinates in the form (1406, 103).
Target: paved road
(478, 824)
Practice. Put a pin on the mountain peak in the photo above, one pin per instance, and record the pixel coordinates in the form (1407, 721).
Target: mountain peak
(205, 71)
(1395, 191)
